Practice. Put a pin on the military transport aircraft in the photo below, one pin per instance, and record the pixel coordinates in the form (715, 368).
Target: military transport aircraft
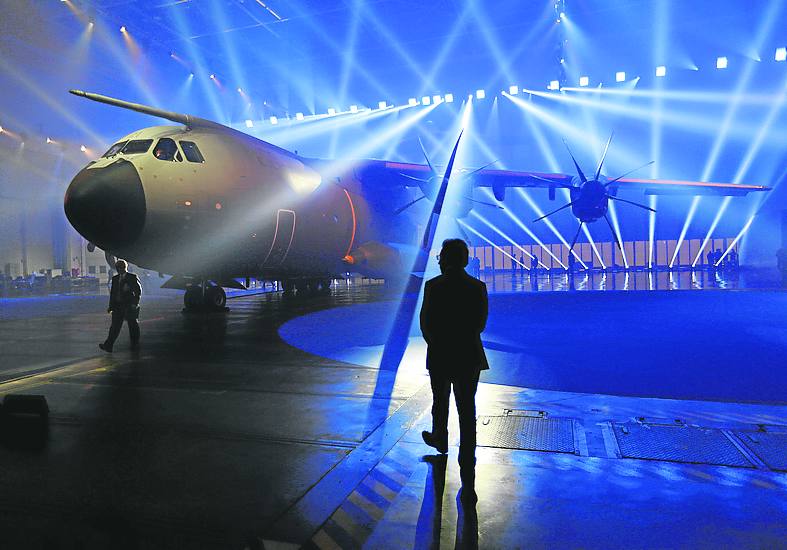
(210, 205)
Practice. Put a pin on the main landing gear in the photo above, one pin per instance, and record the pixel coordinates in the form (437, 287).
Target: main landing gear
(204, 297)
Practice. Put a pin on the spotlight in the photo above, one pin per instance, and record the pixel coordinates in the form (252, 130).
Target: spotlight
(191, 75)
(781, 54)
(513, 90)
(82, 148)
(353, 108)
(331, 111)
(553, 85)
(562, 15)
(249, 124)
(1, 129)
(584, 81)
(426, 100)
(620, 76)
(661, 70)
(480, 94)
(240, 91)
(412, 102)
(449, 98)
(274, 120)
(298, 116)
(382, 105)
(123, 29)
(48, 140)
(721, 62)
(172, 54)
(436, 99)
(213, 77)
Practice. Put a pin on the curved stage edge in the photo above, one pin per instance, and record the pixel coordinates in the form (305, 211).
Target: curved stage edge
(714, 346)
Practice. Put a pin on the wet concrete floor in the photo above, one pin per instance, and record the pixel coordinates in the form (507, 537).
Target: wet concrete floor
(218, 434)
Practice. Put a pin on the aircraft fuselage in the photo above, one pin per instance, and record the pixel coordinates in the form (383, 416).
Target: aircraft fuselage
(218, 204)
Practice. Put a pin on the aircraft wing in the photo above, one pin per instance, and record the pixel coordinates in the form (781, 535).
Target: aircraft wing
(408, 174)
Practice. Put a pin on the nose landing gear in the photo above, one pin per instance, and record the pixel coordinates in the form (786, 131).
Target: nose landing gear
(204, 297)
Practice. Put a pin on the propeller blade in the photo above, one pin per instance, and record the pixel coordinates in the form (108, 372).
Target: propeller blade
(423, 150)
(437, 207)
(631, 202)
(571, 248)
(413, 178)
(408, 205)
(484, 167)
(554, 212)
(603, 156)
(629, 172)
(615, 235)
(579, 170)
(560, 184)
(484, 203)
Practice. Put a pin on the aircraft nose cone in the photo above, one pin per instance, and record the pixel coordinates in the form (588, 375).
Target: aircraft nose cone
(107, 205)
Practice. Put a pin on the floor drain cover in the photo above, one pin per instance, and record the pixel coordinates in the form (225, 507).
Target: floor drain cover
(527, 432)
(678, 444)
(771, 448)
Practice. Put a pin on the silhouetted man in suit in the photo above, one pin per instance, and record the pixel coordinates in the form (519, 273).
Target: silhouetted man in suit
(453, 316)
(123, 305)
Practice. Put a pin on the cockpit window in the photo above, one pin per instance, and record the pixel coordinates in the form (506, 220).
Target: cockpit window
(115, 149)
(167, 149)
(136, 146)
(191, 151)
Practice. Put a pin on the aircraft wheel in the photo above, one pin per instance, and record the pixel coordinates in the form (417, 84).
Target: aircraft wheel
(215, 298)
(192, 299)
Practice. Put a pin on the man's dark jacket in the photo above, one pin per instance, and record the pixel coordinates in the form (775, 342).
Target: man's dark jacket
(453, 316)
(124, 293)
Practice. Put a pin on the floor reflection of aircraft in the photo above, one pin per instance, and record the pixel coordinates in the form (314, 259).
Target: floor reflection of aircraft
(210, 205)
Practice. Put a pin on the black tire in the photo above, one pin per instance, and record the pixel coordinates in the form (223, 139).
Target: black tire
(192, 299)
(215, 298)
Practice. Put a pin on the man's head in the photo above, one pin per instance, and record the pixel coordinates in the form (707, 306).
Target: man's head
(121, 266)
(453, 255)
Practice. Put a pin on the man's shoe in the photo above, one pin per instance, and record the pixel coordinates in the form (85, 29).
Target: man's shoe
(105, 347)
(429, 439)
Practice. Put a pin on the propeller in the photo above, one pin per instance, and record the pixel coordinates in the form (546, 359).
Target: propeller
(579, 170)
(596, 176)
(408, 205)
(484, 203)
(603, 156)
(615, 235)
(554, 212)
(631, 202)
(629, 172)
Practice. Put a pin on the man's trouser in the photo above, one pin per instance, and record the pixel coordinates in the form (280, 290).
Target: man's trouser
(118, 316)
(464, 394)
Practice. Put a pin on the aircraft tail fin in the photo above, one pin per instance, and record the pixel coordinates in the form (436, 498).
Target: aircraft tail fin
(188, 120)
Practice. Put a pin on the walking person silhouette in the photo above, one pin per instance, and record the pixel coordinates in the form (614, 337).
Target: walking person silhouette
(453, 315)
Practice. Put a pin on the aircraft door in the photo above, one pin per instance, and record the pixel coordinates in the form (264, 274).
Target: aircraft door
(282, 238)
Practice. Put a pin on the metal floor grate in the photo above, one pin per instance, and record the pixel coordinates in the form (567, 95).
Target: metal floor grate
(771, 448)
(527, 433)
(678, 444)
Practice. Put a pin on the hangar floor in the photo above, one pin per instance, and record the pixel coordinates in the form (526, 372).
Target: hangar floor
(221, 434)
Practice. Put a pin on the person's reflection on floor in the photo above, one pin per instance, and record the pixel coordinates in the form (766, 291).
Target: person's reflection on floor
(467, 518)
(427, 532)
